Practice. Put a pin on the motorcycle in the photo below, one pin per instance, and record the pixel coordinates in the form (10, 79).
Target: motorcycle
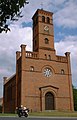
(23, 112)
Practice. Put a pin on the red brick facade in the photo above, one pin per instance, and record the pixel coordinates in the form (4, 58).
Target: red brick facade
(43, 79)
(9, 95)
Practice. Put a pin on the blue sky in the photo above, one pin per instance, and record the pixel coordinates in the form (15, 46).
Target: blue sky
(65, 35)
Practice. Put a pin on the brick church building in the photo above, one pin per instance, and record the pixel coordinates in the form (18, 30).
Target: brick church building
(43, 79)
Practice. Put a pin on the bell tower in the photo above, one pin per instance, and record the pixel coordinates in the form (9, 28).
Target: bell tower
(43, 33)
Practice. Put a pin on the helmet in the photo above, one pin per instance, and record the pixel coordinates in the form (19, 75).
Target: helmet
(24, 108)
(21, 105)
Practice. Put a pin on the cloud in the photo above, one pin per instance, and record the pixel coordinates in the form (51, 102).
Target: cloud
(9, 44)
(65, 12)
(69, 44)
(30, 9)
(67, 16)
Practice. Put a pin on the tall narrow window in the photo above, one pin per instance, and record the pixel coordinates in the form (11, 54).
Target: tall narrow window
(45, 56)
(48, 20)
(46, 41)
(62, 71)
(43, 19)
(31, 68)
(49, 57)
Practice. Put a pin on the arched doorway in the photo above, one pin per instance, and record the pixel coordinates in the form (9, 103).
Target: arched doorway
(49, 101)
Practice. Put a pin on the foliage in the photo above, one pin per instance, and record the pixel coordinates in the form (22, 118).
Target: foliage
(0, 109)
(75, 98)
(8, 10)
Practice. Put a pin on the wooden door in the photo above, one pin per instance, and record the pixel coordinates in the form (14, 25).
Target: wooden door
(49, 101)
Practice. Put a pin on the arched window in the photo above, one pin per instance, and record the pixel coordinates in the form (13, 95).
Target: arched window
(46, 41)
(31, 68)
(48, 20)
(49, 57)
(43, 19)
(62, 71)
(45, 56)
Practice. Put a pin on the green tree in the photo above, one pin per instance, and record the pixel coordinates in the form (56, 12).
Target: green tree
(0, 109)
(75, 98)
(8, 10)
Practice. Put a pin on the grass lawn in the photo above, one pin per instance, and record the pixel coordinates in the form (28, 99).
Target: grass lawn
(49, 114)
(54, 114)
(7, 114)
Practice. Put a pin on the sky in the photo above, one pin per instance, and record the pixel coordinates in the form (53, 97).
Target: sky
(65, 35)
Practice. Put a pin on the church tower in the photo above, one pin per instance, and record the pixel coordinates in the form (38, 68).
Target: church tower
(43, 33)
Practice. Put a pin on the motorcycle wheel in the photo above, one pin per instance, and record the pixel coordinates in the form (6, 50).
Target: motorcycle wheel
(26, 115)
(19, 115)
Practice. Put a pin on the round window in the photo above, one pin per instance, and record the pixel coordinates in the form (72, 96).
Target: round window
(47, 72)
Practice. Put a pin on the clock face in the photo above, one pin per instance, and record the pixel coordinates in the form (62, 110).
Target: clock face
(47, 72)
(46, 28)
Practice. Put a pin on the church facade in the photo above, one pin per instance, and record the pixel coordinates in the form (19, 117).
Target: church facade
(43, 79)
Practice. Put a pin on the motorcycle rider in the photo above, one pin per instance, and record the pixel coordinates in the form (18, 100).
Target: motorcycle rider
(22, 111)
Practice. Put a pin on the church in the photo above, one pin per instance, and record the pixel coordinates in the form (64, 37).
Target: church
(43, 80)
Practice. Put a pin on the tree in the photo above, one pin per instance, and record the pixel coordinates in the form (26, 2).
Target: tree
(8, 10)
(75, 98)
(0, 108)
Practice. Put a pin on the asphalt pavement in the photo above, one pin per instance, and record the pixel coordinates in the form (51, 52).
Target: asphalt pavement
(38, 118)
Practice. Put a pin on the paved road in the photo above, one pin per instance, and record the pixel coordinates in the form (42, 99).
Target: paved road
(36, 118)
